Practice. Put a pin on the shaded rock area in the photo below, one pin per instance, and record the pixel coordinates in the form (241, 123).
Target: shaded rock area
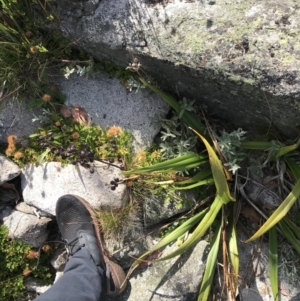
(254, 271)
(131, 242)
(264, 190)
(164, 206)
(239, 58)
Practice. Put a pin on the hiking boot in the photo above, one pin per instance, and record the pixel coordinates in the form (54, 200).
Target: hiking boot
(78, 226)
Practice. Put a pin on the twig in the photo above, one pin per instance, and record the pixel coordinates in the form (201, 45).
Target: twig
(77, 62)
(257, 183)
(2, 98)
(241, 190)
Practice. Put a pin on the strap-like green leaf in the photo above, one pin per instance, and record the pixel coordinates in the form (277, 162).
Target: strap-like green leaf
(294, 167)
(174, 235)
(264, 145)
(256, 145)
(290, 236)
(182, 162)
(285, 150)
(200, 183)
(203, 174)
(279, 213)
(292, 226)
(210, 265)
(217, 172)
(186, 116)
(273, 262)
(201, 229)
(234, 253)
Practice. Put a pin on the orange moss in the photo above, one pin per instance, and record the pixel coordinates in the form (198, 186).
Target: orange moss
(11, 148)
(75, 135)
(11, 139)
(32, 49)
(26, 272)
(114, 131)
(18, 155)
(141, 156)
(46, 97)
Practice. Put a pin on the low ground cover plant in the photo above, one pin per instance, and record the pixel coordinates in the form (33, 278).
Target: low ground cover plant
(217, 165)
(68, 137)
(18, 261)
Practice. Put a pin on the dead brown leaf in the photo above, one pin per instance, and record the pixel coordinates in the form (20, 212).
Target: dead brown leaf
(80, 115)
(269, 206)
(283, 291)
(148, 260)
(26, 272)
(65, 112)
(47, 249)
(251, 213)
(33, 254)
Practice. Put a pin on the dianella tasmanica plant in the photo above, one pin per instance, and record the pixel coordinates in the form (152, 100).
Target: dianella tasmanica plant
(212, 166)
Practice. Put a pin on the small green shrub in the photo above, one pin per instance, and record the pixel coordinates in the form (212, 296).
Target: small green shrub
(16, 264)
(67, 141)
(226, 149)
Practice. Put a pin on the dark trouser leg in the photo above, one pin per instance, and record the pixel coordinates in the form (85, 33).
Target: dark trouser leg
(82, 281)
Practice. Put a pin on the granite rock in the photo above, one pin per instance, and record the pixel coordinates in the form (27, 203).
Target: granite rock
(108, 103)
(59, 259)
(44, 184)
(26, 227)
(8, 169)
(178, 278)
(158, 208)
(239, 58)
(35, 285)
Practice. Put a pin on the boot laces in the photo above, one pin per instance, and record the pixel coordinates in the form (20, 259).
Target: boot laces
(73, 246)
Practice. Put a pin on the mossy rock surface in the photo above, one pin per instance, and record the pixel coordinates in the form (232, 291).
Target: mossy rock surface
(240, 58)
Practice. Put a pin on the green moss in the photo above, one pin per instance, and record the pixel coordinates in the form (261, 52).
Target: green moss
(249, 81)
(198, 43)
(283, 42)
(64, 140)
(289, 59)
(15, 264)
(235, 78)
